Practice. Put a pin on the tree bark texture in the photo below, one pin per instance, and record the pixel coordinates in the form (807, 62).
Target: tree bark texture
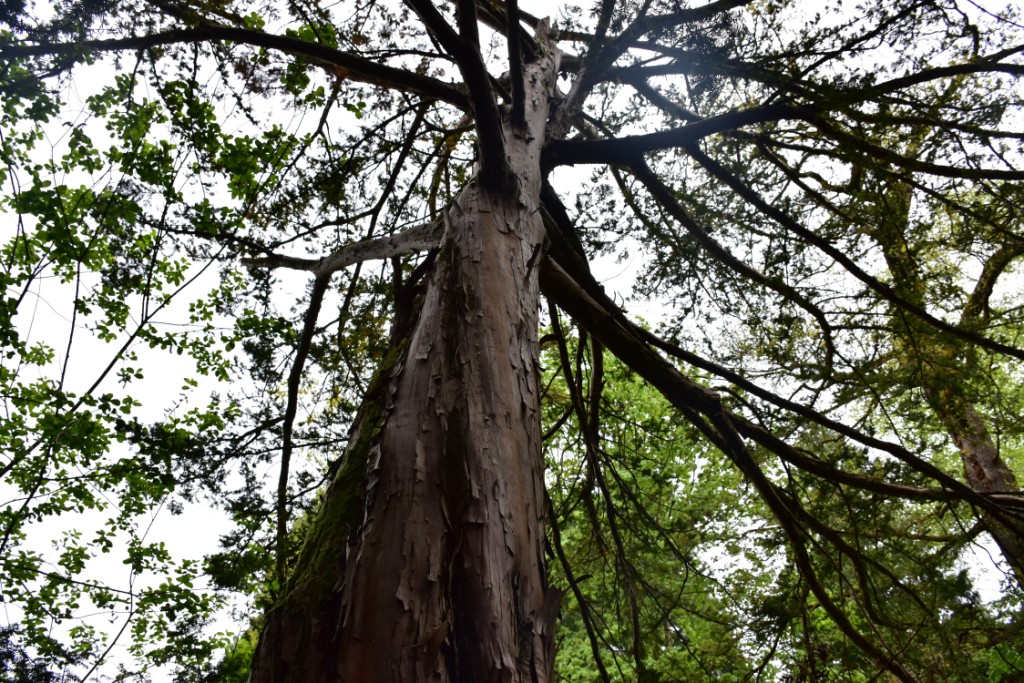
(984, 470)
(941, 379)
(425, 562)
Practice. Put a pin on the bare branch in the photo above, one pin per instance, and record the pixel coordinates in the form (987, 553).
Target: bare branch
(419, 238)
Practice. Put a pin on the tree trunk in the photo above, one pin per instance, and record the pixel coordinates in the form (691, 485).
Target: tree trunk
(984, 470)
(425, 561)
(940, 378)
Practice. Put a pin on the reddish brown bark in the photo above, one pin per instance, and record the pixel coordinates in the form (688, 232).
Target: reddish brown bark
(425, 562)
(449, 557)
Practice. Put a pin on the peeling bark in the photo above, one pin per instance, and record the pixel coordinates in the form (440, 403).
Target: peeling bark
(425, 562)
(984, 470)
(449, 565)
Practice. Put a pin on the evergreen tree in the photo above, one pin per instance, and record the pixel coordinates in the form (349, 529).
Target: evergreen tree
(826, 201)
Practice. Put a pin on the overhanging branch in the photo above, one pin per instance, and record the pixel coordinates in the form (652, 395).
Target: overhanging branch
(348, 65)
(419, 238)
(885, 291)
(627, 150)
(626, 341)
(666, 199)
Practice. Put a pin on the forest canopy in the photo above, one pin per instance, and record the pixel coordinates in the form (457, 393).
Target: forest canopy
(647, 341)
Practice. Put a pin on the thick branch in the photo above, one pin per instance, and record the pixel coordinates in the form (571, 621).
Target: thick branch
(501, 20)
(466, 19)
(628, 150)
(626, 341)
(637, 342)
(351, 66)
(515, 67)
(983, 65)
(419, 238)
(977, 306)
(482, 101)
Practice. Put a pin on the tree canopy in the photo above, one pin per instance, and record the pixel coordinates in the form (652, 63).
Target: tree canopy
(791, 467)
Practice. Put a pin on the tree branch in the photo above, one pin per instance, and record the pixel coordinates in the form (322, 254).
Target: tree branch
(348, 65)
(603, 320)
(865, 148)
(981, 66)
(880, 288)
(493, 165)
(603, 53)
(515, 67)
(419, 238)
(316, 299)
(581, 601)
(666, 199)
(628, 150)
(977, 307)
